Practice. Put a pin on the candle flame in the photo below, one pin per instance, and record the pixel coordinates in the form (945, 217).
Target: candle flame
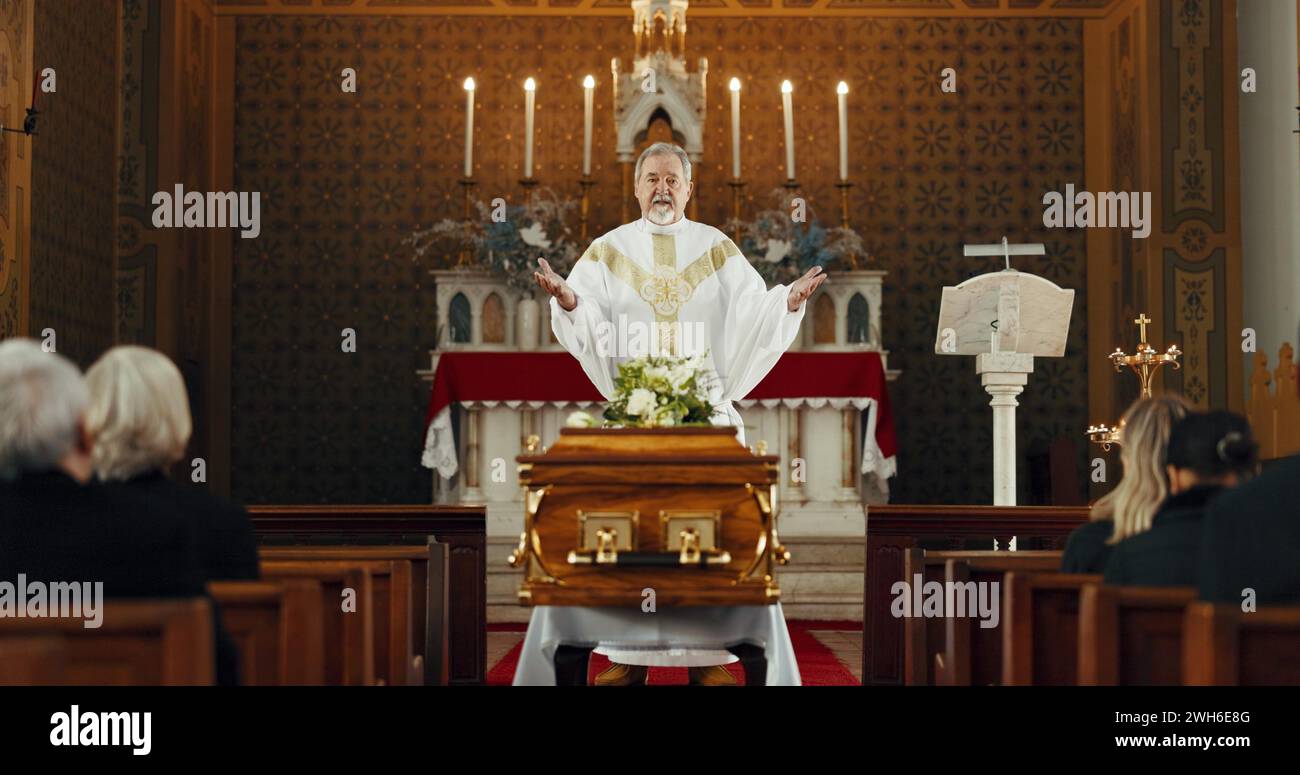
(469, 84)
(786, 87)
(530, 85)
(589, 82)
(735, 84)
(843, 88)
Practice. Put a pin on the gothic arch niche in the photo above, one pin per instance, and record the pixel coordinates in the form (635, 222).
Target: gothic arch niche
(659, 130)
(659, 38)
(859, 320)
(672, 101)
(493, 320)
(824, 320)
(459, 320)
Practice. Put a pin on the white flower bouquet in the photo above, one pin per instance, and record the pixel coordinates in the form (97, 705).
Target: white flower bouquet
(660, 391)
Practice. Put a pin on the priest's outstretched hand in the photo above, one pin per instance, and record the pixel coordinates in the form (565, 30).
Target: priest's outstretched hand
(555, 285)
(802, 288)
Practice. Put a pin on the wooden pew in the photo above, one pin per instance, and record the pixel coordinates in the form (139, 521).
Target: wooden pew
(1040, 633)
(278, 627)
(390, 602)
(972, 654)
(461, 529)
(946, 650)
(892, 529)
(1132, 636)
(349, 645)
(1225, 646)
(429, 610)
(139, 642)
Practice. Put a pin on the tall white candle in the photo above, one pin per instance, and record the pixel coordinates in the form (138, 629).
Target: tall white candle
(843, 91)
(530, 95)
(735, 128)
(469, 127)
(786, 107)
(589, 91)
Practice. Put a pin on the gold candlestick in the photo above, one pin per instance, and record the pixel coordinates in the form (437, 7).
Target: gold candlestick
(737, 186)
(844, 187)
(467, 185)
(792, 186)
(1144, 362)
(1104, 435)
(529, 185)
(586, 183)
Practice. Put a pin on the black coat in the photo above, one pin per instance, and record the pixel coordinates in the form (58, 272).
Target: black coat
(52, 528)
(226, 543)
(1168, 554)
(1086, 550)
(55, 529)
(1252, 539)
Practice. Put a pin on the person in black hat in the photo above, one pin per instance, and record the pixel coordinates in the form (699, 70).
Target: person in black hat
(1208, 452)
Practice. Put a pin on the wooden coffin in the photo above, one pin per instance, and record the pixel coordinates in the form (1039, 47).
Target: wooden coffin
(611, 513)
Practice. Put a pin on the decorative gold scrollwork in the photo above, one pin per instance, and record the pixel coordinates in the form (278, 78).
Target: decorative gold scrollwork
(520, 553)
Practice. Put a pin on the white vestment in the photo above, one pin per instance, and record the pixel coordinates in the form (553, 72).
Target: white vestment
(683, 289)
(633, 284)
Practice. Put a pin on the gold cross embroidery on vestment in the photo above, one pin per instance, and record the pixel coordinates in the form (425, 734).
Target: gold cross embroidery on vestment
(664, 288)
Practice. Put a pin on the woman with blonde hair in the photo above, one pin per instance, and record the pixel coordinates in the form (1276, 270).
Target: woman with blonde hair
(139, 419)
(1129, 508)
(1209, 453)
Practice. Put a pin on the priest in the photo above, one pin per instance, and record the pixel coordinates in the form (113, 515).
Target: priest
(669, 275)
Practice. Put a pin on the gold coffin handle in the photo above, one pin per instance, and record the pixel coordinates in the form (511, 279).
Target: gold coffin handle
(606, 552)
(691, 552)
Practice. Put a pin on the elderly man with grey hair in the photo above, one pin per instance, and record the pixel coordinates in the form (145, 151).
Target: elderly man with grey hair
(680, 288)
(42, 403)
(59, 526)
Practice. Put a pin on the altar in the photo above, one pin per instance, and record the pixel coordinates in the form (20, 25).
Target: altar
(827, 416)
(498, 378)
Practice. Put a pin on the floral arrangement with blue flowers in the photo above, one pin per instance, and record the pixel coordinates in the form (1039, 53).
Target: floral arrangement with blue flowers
(507, 240)
(782, 249)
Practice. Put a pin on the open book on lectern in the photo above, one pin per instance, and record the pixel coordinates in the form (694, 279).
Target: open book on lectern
(1022, 312)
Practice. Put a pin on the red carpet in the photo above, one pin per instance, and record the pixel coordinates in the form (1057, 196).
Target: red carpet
(817, 664)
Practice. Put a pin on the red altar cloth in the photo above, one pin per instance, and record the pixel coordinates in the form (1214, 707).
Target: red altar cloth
(557, 376)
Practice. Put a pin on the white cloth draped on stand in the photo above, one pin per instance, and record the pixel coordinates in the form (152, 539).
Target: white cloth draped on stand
(668, 631)
(440, 450)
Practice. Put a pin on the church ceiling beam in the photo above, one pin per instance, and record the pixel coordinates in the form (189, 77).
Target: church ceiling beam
(1077, 9)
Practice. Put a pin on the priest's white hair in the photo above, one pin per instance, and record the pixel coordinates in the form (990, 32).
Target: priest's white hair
(42, 400)
(663, 149)
(139, 412)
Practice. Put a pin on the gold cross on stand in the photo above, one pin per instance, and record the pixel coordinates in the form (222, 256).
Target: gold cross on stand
(1144, 362)
(1142, 321)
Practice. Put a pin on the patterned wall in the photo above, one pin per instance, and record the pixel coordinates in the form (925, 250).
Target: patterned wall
(1167, 124)
(73, 172)
(137, 274)
(15, 164)
(1201, 229)
(346, 177)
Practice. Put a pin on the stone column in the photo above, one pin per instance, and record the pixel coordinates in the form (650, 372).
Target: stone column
(1270, 183)
(1004, 376)
(472, 493)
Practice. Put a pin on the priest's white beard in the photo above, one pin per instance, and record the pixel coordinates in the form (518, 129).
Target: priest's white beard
(661, 211)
